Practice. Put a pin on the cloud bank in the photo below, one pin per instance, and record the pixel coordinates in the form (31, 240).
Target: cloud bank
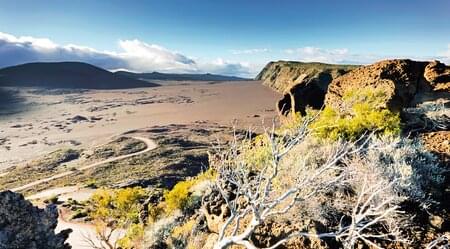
(134, 55)
(445, 56)
(344, 56)
(333, 56)
(249, 51)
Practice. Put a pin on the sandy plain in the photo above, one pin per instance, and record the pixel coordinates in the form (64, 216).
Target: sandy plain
(42, 121)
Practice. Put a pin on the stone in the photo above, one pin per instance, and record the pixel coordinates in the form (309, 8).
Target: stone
(24, 226)
(438, 74)
(405, 83)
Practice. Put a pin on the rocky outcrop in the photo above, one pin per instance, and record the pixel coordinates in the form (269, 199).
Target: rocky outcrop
(405, 82)
(24, 226)
(283, 75)
(215, 209)
(438, 142)
(301, 83)
(297, 98)
(272, 231)
(438, 75)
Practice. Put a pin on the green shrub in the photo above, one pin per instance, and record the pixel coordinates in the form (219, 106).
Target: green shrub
(133, 238)
(52, 200)
(179, 196)
(113, 209)
(363, 111)
(256, 152)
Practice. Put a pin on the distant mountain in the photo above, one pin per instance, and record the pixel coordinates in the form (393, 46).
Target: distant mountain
(178, 77)
(66, 75)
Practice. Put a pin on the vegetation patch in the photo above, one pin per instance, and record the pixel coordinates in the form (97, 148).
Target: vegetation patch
(37, 169)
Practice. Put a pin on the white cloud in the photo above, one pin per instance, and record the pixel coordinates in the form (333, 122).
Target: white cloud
(134, 55)
(344, 56)
(445, 56)
(221, 66)
(249, 51)
(335, 56)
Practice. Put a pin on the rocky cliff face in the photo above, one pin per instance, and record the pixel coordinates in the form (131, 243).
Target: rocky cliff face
(405, 82)
(283, 75)
(24, 226)
(307, 82)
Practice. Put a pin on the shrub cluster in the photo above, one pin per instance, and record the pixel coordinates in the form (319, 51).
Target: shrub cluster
(364, 111)
(180, 197)
(118, 209)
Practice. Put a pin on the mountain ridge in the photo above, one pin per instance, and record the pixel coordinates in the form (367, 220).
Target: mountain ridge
(66, 75)
(179, 77)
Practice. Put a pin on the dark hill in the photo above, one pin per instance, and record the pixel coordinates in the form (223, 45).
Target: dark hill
(178, 77)
(66, 75)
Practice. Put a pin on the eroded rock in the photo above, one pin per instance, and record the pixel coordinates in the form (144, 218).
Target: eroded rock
(438, 74)
(24, 226)
(405, 82)
(303, 84)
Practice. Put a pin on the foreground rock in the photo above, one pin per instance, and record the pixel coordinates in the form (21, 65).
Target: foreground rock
(24, 226)
(405, 82)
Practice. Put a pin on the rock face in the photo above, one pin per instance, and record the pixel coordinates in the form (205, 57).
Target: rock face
(297, 98)
(282, 75)
(438, 74)
(439, 143)
(301, 83)
(405, 82)
(24, 226)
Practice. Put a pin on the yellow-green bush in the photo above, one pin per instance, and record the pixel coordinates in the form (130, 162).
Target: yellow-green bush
(134, 237)
(183, 230)
(113, 209)
(364, 111)
(290, 123)
(256, 152)
(122, 205)
(154, 213)
(178, 197)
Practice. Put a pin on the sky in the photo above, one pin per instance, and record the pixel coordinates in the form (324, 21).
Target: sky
(232, 37)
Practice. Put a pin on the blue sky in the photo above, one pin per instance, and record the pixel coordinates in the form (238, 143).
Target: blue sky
(230, 37)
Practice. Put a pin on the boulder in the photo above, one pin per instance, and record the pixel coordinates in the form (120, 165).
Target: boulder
(272, 231)
(215, 209)
(78, 118)
(438, 142)
(24, 226)
(438, 74)
(405, 82)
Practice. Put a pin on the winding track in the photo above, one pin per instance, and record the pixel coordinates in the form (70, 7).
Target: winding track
(150, 146)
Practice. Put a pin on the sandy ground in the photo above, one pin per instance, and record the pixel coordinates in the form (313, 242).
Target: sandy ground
(50, 121)
(77, 193)
(83, 235)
